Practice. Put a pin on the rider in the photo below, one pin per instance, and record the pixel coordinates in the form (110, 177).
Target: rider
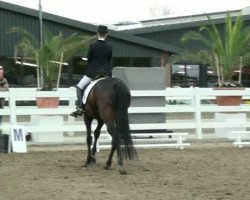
(99, 58)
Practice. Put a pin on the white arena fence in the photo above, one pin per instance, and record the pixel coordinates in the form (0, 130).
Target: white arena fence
(196, 103)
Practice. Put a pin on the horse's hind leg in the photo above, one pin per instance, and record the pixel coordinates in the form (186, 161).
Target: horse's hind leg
(119, 157)
(109, 161)
(115, 146)
(88, 122)
(97, 134)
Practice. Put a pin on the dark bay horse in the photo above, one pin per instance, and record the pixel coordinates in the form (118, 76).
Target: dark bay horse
(108, 103)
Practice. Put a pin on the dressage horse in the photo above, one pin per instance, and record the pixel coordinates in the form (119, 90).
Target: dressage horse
(108, 103)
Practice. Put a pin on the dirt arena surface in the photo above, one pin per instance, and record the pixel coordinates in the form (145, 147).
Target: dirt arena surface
(200, 172)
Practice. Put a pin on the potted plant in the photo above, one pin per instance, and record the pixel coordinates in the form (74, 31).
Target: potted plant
(49, 57)
(225, 53)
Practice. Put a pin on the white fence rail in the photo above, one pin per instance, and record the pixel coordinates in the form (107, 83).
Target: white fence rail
(201, 101)
(194, 102)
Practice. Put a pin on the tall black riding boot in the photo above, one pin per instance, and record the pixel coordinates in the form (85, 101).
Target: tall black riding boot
(79, 105)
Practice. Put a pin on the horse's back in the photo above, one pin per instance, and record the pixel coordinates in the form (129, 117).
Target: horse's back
(109, 85)
(103, 95)
(109, 82)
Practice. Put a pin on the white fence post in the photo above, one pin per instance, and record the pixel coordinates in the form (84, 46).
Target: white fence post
(197, 114)
(72, 101)
(12, 105)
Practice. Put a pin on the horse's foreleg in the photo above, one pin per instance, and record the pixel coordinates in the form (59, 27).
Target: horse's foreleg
(88, 122)
(97, 134)
(111, 130)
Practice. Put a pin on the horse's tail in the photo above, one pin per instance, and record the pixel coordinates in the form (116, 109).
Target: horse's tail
(125, 141)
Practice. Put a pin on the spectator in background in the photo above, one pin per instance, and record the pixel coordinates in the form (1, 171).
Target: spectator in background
(4, 86)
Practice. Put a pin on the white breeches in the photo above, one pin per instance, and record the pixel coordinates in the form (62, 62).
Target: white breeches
(84, 82)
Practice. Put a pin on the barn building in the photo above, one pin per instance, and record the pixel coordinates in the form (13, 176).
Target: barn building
(129, 50)
(169, 30)
(148, 43)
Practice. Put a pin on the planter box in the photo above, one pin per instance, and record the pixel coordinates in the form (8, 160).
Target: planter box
(47, 102)
(229, 100)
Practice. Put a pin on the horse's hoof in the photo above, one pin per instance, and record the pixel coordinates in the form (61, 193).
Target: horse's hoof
(93, 160)
(107, 167)
(86, 165)
(122, 171)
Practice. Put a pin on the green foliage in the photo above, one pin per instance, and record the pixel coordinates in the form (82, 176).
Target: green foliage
(226, 53)
(55, 49)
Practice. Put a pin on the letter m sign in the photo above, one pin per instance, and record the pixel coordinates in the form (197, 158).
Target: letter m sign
(18, 140)
(18, 134)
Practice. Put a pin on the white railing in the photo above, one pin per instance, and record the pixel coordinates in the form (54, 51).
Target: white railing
(196, 102)
(192, 101)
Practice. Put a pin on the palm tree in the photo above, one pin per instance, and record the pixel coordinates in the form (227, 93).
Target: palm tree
(224, 54)
(49, 58)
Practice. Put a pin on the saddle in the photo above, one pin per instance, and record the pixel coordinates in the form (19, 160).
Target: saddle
(100, 76)
(88, 89)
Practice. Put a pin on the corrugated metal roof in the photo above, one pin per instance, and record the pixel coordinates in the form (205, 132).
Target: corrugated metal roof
(92, 28)
(180, 22)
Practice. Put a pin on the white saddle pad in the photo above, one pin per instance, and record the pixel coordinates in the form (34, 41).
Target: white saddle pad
(88, 89)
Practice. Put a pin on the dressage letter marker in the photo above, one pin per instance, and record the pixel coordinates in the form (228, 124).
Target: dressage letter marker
(18, 140)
